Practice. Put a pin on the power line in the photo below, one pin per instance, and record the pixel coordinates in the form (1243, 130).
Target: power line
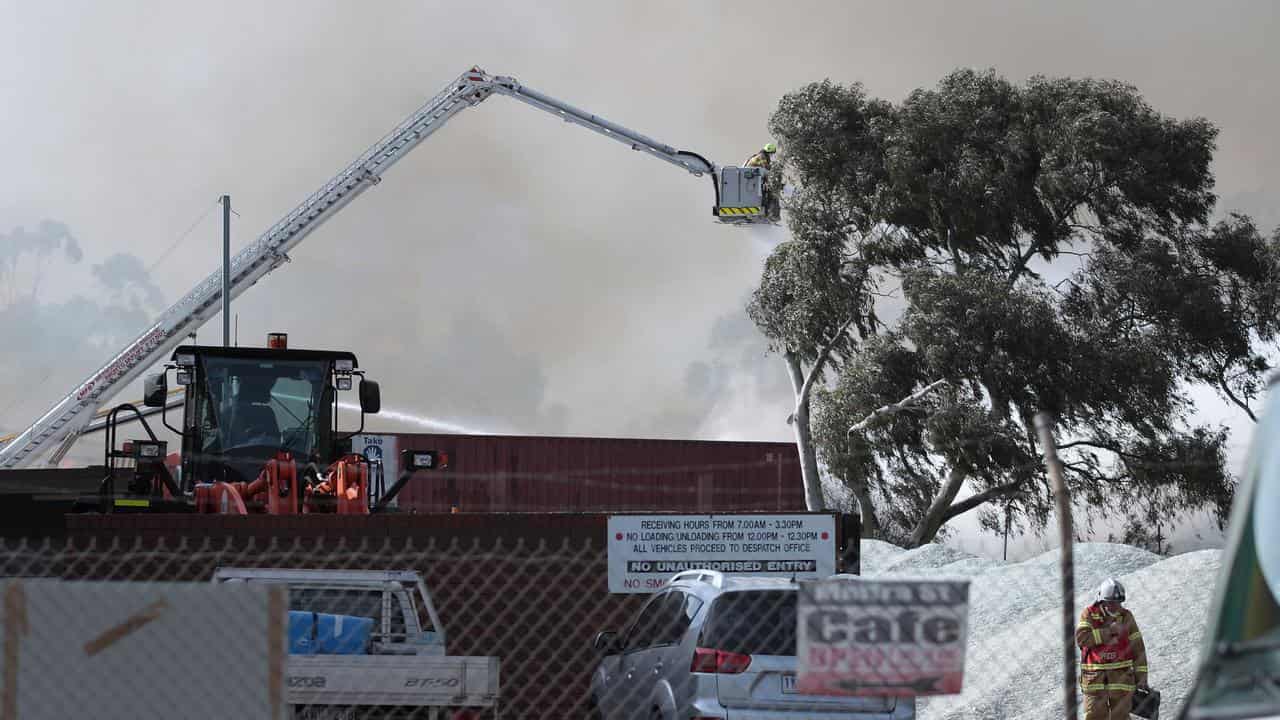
(182, 238)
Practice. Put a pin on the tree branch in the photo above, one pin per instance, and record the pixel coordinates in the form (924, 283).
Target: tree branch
(977, 499)
(927, 528)
(802, 395)
(1101, 445)
(1226, 388)
(899, 406)
(1082, 468)
(1021, 265)
(1128, 320)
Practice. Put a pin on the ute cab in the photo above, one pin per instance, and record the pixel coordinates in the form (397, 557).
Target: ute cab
(260, 432)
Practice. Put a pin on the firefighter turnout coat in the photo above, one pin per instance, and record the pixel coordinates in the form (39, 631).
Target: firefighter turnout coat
(1110, 661)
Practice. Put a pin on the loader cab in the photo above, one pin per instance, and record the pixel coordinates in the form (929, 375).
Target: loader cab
(245, 405)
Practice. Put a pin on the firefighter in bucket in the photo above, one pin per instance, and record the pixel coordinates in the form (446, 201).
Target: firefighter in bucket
(773, 185)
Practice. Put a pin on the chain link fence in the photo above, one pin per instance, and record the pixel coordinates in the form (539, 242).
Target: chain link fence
(525, 598)
(535, 605)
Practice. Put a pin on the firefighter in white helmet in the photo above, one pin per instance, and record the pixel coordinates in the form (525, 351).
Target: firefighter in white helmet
(1113, 659)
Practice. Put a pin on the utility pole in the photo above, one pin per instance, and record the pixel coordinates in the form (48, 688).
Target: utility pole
(226, 270)
(1008, 513)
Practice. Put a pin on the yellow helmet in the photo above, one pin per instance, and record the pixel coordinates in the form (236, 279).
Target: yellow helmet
(770, 148)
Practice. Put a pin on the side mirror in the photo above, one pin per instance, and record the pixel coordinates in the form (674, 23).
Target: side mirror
(605, 641)
(155, 390)
(370, 397)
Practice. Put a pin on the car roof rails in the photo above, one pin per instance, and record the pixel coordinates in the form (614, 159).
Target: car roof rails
(712, 577)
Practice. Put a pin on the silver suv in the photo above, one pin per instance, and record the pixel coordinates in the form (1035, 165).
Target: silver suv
(717, 646)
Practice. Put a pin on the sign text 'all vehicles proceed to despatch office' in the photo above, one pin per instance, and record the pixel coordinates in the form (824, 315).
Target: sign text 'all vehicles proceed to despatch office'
(646, 550)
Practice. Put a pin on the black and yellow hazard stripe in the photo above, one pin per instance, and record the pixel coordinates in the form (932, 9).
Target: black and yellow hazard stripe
(726, 211)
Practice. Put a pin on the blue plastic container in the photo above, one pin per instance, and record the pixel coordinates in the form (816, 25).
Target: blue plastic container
(302, 632)
(328, 634)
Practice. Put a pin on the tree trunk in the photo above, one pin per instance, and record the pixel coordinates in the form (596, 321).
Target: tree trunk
(813, 499)
(927, 529)
(870, 524)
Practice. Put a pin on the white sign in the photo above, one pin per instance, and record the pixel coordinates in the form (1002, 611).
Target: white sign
(74, 649)
(382, 452)
(882, 637)
(646, 550)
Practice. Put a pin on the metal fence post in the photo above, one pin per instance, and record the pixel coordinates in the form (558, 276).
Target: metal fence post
(1062, 500)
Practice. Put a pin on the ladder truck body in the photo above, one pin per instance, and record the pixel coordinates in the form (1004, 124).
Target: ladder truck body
(739, 192)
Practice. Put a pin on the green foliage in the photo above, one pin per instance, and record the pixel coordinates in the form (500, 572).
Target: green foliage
(963, 197)
(807, 292)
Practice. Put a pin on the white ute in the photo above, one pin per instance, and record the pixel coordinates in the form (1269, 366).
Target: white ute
(403, 664)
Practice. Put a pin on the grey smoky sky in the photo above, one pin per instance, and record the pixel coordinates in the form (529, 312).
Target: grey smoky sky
(517, 273)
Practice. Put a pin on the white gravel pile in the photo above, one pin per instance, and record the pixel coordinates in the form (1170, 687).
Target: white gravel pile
(1013, 668)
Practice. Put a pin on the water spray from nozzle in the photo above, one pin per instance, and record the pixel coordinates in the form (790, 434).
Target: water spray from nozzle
(419, 420)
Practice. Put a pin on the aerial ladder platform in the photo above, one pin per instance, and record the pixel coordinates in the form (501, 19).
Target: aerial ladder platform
(740, 199)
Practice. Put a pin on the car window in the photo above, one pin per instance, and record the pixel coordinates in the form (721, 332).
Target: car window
(691, 607)
(401, 607)
(650, 623)
(752, 623)
(679, 611)
(424, 617)
(360, 603)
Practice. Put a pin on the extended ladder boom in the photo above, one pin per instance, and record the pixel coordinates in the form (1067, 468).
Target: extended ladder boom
(65, 420)
(690, 161)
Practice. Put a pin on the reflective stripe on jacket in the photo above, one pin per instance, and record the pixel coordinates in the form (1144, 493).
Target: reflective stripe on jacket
(1126, 650)
(1096, 681)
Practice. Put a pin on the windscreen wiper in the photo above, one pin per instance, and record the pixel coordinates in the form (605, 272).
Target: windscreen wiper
(284, 407)
(1243, 648)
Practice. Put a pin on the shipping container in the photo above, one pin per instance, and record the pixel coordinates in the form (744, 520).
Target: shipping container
(498, 473)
